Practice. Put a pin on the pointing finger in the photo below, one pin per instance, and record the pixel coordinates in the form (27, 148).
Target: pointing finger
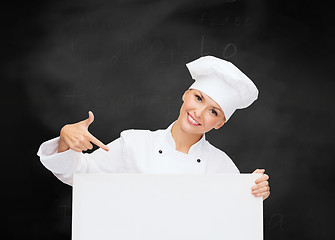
(97, 142)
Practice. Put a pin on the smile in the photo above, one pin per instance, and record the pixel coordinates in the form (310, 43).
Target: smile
(192, 120)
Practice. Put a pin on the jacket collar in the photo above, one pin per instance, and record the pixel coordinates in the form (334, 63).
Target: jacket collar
(195, 148)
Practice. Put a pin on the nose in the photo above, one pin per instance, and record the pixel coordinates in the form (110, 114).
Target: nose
(198, 113)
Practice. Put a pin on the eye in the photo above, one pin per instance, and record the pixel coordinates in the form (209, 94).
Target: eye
(198, 98)
(214, 112)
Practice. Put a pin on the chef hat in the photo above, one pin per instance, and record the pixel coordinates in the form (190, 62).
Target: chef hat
(230, 88)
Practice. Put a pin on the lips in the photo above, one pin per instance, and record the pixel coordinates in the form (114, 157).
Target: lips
(191, 120)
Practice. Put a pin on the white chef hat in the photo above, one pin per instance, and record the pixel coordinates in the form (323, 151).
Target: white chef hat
(228, 86)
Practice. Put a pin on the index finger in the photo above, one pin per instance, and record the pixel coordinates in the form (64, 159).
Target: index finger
(262, 178)
(259, 171)
(97, 142)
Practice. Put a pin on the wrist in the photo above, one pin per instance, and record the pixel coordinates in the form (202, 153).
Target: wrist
(62, 147)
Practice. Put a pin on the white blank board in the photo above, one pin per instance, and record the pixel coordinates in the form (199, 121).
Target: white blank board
(166, 207)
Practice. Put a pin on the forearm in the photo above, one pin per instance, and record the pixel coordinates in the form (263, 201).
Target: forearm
(63, 164)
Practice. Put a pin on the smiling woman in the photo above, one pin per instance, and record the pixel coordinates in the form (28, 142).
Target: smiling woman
(198, 114)
(219, 89)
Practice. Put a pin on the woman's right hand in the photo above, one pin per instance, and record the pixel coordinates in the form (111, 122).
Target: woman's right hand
(77, 137)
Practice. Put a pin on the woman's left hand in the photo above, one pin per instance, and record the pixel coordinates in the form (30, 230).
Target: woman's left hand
(262, 188)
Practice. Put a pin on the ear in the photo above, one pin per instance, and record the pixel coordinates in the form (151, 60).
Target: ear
(220, 125)
(184, 95)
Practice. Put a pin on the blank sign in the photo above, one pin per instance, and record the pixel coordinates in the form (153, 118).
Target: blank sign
(166, 207)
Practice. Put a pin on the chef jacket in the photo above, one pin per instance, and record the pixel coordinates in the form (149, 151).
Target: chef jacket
(137, 151)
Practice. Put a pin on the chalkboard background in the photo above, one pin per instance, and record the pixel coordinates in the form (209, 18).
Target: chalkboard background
(125, 61)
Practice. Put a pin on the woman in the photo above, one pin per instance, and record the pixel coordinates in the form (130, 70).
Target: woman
(219, 89)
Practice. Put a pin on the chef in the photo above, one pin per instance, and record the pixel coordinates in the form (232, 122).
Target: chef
(219, 89)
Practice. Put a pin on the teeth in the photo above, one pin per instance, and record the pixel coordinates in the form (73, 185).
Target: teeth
(192, 120)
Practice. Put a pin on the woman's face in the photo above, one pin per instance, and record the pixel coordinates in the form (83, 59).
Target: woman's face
(199, 113)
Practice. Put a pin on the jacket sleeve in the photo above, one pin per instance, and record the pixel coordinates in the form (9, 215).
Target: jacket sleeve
(63, 165)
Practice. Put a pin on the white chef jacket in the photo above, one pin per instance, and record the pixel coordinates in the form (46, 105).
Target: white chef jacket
(137, 151)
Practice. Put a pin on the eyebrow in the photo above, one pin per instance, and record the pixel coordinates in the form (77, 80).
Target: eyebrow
(212, 106)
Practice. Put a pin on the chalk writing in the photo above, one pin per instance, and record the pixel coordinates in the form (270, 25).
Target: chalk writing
(229, 51)
(237, 21)
(276, 220)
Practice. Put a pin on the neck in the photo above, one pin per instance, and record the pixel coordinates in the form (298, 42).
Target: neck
(182, 139)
